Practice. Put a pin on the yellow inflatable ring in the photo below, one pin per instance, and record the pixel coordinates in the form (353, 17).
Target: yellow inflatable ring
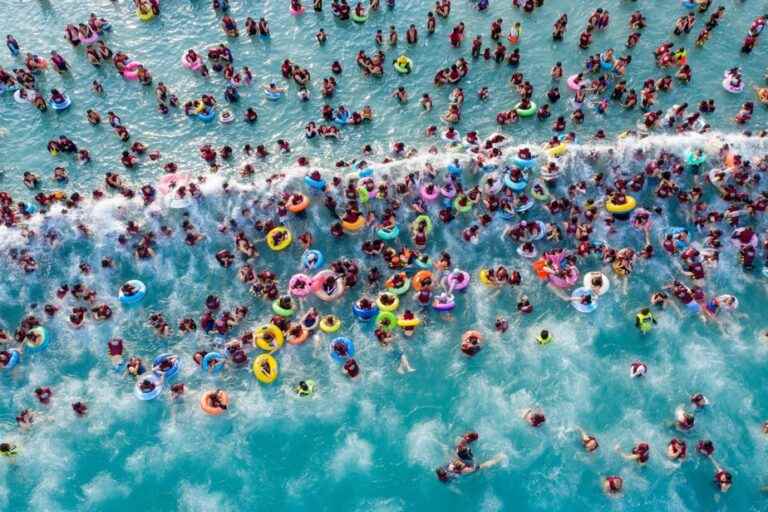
(145, 17)
(285, 242)
(354, 227)
(558, 150)
(388, 307)
(627, 207)
(330, 324)
(485, 280)
(268, 337)
(408, 323)
(266, 377)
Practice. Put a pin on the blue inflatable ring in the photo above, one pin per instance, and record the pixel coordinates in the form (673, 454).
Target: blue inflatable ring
(173, 371)
(318, 256)
(204, 364)
(350, 349)
(141, 290)
(150, 395)
(365, 314)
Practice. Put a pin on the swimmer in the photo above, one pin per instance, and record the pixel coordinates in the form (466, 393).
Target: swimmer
(640, 453)
(684, 421)
(534, 418)
(589, 442)
(613, 485)
(676, 449)
(637, 369)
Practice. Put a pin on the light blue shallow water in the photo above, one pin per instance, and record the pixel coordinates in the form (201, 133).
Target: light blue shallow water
(373, 442)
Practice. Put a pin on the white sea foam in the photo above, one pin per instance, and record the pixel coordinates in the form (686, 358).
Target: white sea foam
(426, 443)
(201, 498)
(103, 487)
(354, 455)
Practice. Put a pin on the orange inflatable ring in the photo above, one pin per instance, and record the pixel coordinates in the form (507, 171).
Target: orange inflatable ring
(354, 227)
(208, 408)
(538, 267)
(419, 278)
(300, 206)
(297, 339)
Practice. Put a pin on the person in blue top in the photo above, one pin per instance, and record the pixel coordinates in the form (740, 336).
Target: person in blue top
(12, 44)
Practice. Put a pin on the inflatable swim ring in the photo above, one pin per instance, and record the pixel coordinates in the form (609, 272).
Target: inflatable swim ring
(213, 362)
(400, 290)
(137, 296)
(268, 337)
(733, 89)
(443, 302)
(64, 105)
(587, 282)
(210, 410)
(393, 302)
(330, 324)
(403, 65)
(388, 232)
(528, 112)
(265, 376)
(151, 394)
(129, 71)
(313, 183)
(13, 359)
(194, 66)
(573, 83)
(145, 16)
(300, 285)
(285, 242)
(353, 227)
(318, 288)
(312, 259)
(408, 323)
(298, 207)
(421, 279)
(281, 311)
(349, 347)
(364, 313)
(625, 208)
(226, 116)
(297, 339)
(171, 372)
(37, 346)
(583, 308)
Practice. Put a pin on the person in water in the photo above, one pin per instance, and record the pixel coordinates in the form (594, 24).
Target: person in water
(462, 463)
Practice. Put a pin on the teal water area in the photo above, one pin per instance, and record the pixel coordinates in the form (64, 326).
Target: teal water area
(370, 443)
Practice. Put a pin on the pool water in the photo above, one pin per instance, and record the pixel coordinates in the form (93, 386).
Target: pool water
(371, 443)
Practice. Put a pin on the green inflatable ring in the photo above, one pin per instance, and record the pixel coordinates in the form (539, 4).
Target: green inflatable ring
(280, 311)
(462, 209)
(358, 19)
(528, 112)
(386, 320)
(362, 194)
(424, 218)
(404, 70)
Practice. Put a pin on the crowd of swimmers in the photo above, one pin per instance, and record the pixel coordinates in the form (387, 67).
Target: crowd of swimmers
(573, 213)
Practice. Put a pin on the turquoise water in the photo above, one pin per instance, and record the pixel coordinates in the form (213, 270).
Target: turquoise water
(373, 442)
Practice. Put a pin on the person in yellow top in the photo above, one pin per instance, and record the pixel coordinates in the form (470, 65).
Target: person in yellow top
(644, 320)
(8, 451)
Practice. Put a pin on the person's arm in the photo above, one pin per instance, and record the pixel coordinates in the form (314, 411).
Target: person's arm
(497, 459)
